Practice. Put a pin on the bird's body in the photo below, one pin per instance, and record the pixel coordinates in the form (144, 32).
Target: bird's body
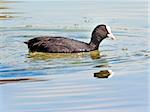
(57, 45)
(60, 44)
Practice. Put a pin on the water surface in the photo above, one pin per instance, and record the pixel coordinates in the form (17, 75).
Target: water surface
(54, 83)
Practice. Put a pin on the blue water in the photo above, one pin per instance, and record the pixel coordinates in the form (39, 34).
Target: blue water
(66, 83)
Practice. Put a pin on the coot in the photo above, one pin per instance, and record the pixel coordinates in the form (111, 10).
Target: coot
(58, 44)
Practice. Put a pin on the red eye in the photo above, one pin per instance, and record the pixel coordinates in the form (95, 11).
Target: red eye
(103, 29)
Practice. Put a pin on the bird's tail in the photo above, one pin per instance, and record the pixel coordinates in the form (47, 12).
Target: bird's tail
(26, 42)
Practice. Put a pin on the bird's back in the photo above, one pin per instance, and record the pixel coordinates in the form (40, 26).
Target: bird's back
(57, 45)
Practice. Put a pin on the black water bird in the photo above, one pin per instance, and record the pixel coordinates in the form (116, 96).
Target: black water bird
(58, 44)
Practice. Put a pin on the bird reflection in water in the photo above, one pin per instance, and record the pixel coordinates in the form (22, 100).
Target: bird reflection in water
(40, 55)
(93, 55)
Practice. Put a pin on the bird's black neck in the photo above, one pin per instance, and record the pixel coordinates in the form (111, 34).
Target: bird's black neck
(95, 42)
